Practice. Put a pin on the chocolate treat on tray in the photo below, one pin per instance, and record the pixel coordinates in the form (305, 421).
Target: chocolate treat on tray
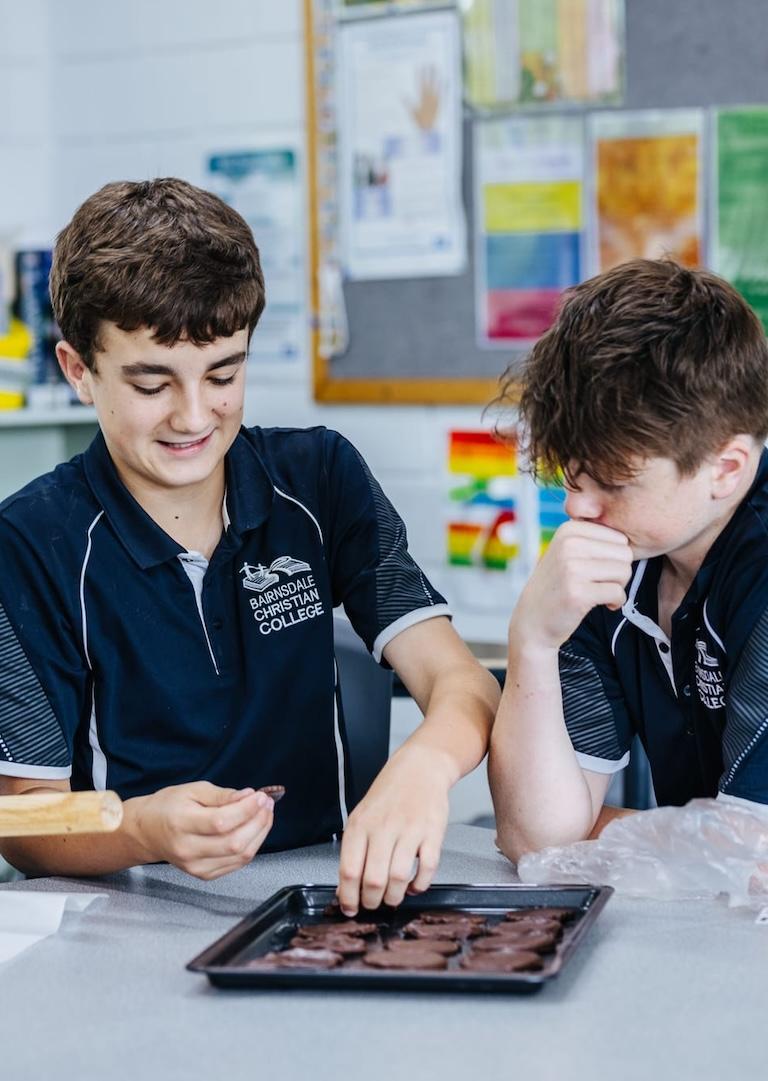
(452, 917)
(533, 938)
(297, 958)
(343, 927)
(561, 914)
(458, 928)
(416, 959)
(434, 945)
(491, 943)
(520, 961)
(346, 945)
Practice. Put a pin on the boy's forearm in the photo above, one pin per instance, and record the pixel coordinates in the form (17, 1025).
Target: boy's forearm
(457, 721)
(80, 853)
(539, 792)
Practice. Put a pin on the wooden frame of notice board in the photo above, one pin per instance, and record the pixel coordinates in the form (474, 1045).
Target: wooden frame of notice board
(328, 385)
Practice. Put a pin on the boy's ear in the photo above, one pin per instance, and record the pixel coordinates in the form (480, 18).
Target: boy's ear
(76, 372)
(731, 465)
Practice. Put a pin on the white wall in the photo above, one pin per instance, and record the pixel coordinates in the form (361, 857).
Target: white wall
(130, 91)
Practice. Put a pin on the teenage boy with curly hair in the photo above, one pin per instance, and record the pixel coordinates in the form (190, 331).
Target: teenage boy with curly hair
(166, 598)
(648, 613)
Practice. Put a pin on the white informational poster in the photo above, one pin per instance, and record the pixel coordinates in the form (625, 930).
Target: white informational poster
(264, 186)
(399, 119)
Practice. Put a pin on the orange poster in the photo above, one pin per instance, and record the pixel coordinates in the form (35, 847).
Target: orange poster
(648, 200)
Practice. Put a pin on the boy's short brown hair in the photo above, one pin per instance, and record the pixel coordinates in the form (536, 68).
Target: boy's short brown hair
(649, 359)
(161, 254)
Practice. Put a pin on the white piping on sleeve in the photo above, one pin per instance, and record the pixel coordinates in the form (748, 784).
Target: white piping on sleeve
(410, 619)
(99, 766)
(602, 765)
(339, 747)
(35, 773)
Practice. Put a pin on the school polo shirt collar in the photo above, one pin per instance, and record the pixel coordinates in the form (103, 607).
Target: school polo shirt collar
(249, 495)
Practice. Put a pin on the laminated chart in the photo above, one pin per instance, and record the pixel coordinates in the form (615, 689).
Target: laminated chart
(529, 224)
(741, 212)
(483, 529)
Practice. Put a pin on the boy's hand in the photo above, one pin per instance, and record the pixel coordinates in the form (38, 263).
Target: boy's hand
(402, 819)
(585, 565)
(201, 828)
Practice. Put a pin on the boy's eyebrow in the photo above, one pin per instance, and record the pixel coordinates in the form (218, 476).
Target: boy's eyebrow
(147, 368)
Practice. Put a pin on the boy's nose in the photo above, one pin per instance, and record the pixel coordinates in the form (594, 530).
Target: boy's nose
(190, 414)
(583, 504)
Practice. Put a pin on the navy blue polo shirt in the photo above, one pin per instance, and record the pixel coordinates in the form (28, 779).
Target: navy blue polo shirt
(698, 701)
(128, 663)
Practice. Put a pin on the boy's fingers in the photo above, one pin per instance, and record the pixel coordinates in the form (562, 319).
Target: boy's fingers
(429, 858)
(224, 846)
(217, 821)
(401, 870)
(353, 854)
(377, 871)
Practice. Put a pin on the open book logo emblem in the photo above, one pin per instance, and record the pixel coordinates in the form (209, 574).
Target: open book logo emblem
(258, 578)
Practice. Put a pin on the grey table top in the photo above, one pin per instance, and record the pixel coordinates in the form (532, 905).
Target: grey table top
(657, 991)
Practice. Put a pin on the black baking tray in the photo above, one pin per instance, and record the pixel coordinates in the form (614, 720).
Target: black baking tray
(272, 924)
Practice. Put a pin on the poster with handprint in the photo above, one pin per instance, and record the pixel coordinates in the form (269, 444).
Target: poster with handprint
(399, 109)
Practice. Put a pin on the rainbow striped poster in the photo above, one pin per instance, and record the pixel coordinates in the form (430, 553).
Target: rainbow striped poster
(551, 510)
(483, 528)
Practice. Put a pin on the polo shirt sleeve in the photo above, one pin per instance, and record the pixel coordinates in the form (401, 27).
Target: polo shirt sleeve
(372, 573)
(745, 738)
(42, 677)
(593, 704)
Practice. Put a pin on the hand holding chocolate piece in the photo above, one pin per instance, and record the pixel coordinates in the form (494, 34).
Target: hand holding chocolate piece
(274, 791)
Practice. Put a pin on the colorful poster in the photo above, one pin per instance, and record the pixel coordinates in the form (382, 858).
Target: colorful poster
(531, 52)
(264, 186)
(399, 114)
(741, 218)
(483, 501)
(551, 510)
(529, 176)
(648, 187)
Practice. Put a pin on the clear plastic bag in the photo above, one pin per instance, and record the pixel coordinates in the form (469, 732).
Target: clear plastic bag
(705, 849)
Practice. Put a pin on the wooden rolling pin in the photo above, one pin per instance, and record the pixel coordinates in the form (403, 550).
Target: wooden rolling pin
(41, 814)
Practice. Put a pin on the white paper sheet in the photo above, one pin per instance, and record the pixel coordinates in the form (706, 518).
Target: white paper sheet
(26, 917)
(399, 115)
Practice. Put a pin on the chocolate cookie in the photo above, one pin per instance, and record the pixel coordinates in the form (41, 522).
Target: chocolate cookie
(434, 945)
(502, 961)
(531, 941)
(529, 938)
(297, 958)
(560, 914)
(418, 958)
(456, 929)
(352, 928)
(347, 945)
(452, 917)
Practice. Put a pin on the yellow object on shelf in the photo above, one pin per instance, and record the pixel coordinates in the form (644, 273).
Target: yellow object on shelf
(14, 367)
(16, 344)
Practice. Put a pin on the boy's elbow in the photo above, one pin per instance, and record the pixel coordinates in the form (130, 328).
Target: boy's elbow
(514, 842)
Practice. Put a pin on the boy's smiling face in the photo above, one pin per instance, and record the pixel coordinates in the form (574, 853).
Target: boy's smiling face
(168, 414)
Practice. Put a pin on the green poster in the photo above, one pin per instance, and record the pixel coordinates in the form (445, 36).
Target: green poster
(742, 205)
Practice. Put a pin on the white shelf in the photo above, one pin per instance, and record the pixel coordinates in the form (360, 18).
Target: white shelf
(47, 418)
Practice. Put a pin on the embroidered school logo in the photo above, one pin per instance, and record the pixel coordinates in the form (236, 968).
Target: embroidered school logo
(259, 578)
(709, 677)
(282, 603)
